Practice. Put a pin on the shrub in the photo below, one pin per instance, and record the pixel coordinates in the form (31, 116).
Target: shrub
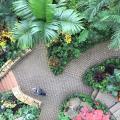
(107, 76)
(86, 114)
(11, 108)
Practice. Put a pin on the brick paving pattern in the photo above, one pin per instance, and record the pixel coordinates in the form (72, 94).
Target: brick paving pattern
(33, 71)
(8, 82)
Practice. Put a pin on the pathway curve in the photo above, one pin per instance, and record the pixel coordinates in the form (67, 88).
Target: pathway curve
(33, 71)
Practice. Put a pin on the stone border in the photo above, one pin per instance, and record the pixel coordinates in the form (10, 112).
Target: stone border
(10, 63)
(25, 98)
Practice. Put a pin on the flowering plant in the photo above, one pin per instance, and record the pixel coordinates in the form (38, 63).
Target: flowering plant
(86, 114)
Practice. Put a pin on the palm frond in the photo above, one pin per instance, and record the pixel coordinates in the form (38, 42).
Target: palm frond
(42, 9)
(47, 31)
(22, 32)
(112, 18)
(96, 7)
(115, 43)
(70, 21)
(22, 9)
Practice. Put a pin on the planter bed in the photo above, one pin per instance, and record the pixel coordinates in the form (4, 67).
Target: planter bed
(13, 109)
(81, 106)
(104, 76)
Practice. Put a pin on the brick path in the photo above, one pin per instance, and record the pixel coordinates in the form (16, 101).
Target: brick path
(33, 71)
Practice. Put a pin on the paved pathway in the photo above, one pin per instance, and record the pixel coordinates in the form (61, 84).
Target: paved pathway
(33, 71)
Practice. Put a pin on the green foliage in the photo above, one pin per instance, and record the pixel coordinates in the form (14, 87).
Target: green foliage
(64, 52)
(46, 21)
(8, 48)
(29, 113)
(11, 108)
(7, 17)
(83, 98)
(115, 43)
(38, 10)
(110, 83)
(63, 117)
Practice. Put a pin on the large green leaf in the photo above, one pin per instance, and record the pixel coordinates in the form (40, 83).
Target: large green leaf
(31, 33)
(47, 31)
(70, 21)
(22, 9)
(22, 32)
(42, 9)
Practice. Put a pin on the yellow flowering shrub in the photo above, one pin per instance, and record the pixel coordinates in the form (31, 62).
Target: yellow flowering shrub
(4, 37)
(8, 104)
(68, 38)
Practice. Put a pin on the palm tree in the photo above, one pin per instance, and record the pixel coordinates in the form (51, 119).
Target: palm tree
(44, 21)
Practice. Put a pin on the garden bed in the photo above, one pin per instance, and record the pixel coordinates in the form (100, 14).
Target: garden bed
(66, 48)
(12, 109)
(81, 106)
(104, 76)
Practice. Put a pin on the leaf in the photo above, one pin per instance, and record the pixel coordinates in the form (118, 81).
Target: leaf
(83, 36)
(77, 53)
(97, 6)
(70, 21)
(42, 9)
(115, 43)
(22, 9)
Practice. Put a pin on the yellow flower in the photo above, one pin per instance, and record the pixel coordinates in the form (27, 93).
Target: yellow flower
(68, 38)
(8, 35)
(2, 43)
(8, 104)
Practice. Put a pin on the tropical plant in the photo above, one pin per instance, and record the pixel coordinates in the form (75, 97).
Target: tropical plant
(102, 16)
(7, 17)
(44, 21)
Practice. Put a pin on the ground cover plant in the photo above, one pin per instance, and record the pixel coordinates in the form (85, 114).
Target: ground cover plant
(104, 76)
(82, 106)
(11, 108)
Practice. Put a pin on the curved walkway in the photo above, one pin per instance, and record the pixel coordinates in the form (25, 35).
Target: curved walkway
(33, 71)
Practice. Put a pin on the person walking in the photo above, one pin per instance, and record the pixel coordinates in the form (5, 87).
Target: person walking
(38, 91)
